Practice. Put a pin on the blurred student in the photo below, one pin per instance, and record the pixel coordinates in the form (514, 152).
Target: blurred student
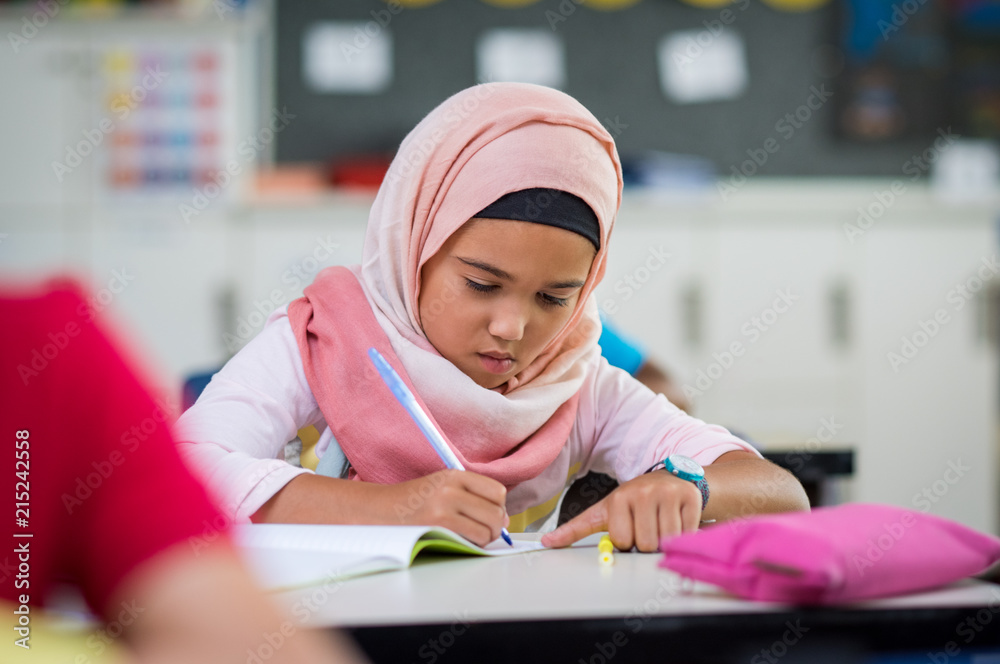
(624, 352)
(98, 497)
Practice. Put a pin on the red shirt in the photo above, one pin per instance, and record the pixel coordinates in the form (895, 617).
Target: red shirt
(90, 469)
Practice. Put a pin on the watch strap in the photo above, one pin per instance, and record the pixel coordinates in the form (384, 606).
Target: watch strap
(702, 483)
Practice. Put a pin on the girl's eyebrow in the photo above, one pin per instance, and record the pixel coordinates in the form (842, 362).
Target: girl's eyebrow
(500, 274)
(486, 267)
(576, 283)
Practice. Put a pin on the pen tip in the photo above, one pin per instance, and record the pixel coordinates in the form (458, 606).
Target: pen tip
(506, 537)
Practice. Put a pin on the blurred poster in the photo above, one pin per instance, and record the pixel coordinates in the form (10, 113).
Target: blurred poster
(164, 114)
(895, 80)
(976, 99)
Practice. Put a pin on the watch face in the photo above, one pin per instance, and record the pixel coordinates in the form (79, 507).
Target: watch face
(685, 466)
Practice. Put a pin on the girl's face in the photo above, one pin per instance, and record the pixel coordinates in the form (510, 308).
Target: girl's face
(498, 291)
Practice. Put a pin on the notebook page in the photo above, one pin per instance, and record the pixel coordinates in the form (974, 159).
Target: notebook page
(393, 542)
(501, 548)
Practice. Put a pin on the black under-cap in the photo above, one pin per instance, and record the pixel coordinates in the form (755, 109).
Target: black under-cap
(552, 207)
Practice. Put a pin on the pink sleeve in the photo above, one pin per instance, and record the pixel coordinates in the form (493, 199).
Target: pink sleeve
(625, 428)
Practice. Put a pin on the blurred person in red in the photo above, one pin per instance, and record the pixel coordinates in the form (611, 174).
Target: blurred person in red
(96, 496)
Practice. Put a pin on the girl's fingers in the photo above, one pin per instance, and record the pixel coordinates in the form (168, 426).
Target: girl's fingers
(487, 514)
(621, 528)
(593, 520)
(484, 487)
(472, 530)
(670, 520)
(645, 519)
(691, 515)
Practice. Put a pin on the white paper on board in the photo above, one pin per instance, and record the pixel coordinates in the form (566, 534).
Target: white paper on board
(699, 66)
(347, 57)
(962, 170)
(524, 56)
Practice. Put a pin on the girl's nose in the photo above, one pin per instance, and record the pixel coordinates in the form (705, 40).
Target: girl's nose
(507, 321)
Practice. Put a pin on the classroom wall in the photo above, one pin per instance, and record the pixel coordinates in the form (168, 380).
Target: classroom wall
(819, 374)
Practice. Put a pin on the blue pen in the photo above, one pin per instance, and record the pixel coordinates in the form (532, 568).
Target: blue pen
(409, 402)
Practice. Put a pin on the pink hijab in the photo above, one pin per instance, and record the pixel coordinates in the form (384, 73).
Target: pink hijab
(480, 144)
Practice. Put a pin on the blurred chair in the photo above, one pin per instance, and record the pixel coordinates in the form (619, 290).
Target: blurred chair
(194, 385)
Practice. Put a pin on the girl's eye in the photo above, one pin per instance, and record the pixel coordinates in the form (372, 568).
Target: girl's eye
(478, 287)
(549, 300)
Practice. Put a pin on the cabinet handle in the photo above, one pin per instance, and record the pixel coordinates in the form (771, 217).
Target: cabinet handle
(692, 315)
(225, 311)
(987, 312)
(839, 302)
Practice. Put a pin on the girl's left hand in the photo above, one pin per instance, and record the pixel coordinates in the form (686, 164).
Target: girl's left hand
(638, 513)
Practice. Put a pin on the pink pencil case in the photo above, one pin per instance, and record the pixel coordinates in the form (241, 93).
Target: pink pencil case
(831, 554)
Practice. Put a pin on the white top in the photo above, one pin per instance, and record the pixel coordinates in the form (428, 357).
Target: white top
(234, 436)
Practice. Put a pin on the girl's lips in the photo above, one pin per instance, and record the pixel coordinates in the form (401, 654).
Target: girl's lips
(496, 365)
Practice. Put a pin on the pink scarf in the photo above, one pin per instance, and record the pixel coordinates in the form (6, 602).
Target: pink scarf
(480, 144)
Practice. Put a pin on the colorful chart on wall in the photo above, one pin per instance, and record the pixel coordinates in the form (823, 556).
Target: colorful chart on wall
(164, 112)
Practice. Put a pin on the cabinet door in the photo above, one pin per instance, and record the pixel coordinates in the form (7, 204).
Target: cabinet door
(930, 374)
(37, 242)
(751, 314)
(164, 281)
(778, 361)
(655, 270)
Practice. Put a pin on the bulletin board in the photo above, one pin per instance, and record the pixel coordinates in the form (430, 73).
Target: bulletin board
(797, 73)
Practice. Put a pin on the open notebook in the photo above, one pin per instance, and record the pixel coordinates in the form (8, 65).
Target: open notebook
(288, 555)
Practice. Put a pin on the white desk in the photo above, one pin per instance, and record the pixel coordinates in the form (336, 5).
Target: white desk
(563, 606)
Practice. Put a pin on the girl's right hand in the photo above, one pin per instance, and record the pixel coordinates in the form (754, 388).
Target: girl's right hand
(471, 505)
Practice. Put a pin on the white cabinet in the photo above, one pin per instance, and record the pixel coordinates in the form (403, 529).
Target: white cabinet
(929, 401)
(164, 283)
(771, 298)
(746, 314)
(782, 327)
(656, 256)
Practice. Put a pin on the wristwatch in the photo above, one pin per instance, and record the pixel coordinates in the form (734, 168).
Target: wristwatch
(688, 469)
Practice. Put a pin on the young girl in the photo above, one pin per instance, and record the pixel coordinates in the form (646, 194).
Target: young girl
(484, 245)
